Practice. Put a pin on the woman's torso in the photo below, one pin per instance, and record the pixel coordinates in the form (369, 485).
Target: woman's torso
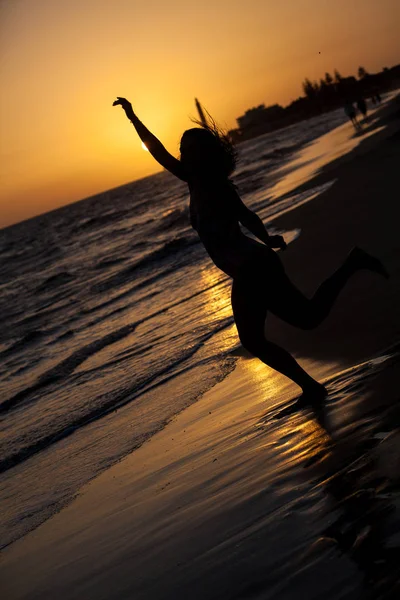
(214, 215)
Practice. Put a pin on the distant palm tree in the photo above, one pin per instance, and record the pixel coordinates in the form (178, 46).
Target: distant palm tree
(322, 84)
(309, 88)
(337, 76)
(362, 73)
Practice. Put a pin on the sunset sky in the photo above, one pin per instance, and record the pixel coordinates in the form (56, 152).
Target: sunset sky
(63, 64)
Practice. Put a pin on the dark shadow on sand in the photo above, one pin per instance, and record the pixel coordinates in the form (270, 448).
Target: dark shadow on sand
(356, 464)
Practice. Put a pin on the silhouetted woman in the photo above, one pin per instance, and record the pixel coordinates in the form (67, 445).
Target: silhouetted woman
(259, 280)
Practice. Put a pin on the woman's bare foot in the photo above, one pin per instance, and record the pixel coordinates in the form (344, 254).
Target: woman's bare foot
(312, 397)
(363, 260)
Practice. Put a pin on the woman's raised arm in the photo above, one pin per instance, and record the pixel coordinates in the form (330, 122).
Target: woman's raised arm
(153, 145)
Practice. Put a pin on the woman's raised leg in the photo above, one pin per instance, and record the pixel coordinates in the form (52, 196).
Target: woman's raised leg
(289, 304)
(265, 286)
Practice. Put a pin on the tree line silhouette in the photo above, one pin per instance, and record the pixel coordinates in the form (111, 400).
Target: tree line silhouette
(330, 92)
(333, 89)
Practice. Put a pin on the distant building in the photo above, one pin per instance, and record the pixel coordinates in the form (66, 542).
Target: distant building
(260, 116)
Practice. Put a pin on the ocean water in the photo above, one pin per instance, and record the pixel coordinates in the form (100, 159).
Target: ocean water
(113, 320)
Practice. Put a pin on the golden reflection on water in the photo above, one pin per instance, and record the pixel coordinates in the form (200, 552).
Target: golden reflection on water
(299, 440)
(217, 305)
(217, 291)
(269, 382)
(312, 440)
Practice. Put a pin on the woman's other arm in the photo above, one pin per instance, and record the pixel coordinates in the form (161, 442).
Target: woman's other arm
(254, 224)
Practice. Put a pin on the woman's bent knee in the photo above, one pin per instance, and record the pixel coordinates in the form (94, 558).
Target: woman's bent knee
(311, 322)
(255, 344)
(309, 318)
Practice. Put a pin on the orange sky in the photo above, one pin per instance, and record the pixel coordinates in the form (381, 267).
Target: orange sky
(63, 64)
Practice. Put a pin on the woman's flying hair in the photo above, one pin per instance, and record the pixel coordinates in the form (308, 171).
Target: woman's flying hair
(226, 149)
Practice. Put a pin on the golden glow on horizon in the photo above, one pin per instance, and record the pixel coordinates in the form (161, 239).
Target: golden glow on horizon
(63, 64)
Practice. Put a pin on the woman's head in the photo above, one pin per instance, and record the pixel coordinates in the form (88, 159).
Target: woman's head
(207, 151)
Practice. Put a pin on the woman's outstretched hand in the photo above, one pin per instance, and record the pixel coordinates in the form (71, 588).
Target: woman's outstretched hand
(126, 105)
(277, 241)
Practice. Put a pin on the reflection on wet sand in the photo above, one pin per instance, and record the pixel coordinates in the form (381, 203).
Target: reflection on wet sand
(350, 451)
(365, 519)
(358, 467)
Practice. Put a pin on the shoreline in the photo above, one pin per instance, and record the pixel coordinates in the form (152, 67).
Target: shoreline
(384, 123)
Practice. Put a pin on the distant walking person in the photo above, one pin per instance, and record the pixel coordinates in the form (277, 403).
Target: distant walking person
(351, 113)
(260, 284)
(362, 106)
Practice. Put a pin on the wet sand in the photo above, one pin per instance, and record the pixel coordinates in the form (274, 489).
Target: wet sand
(228, 502)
